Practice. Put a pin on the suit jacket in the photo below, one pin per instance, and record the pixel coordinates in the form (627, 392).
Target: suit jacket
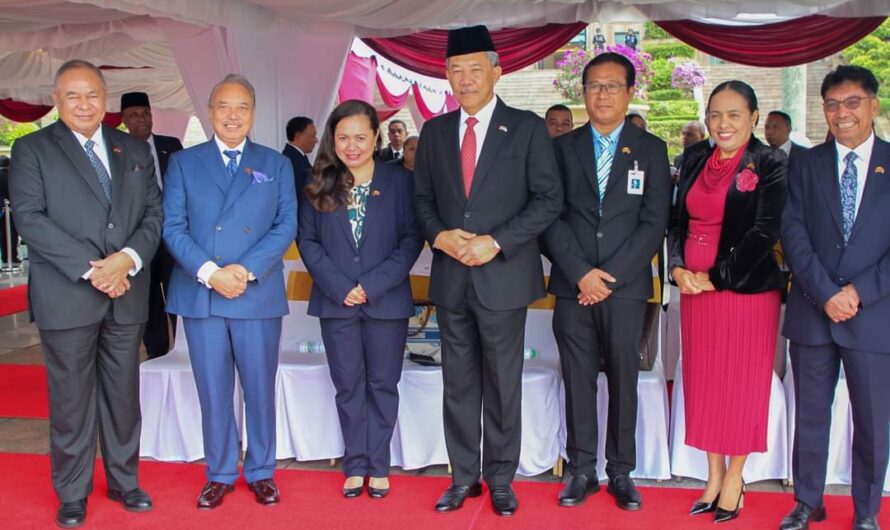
(210, 217)
(745, 260)
(797, 149)
(624, 238)
(387, 154)
(302, 167)
(63, 216)
(812, 238)
(380, 262)
(516, 194)
(165, 146)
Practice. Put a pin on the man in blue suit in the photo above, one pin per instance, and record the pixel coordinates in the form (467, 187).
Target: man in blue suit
(230, 213)
(836, 239)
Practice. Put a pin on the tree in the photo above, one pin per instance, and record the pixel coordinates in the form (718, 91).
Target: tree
(873, 52)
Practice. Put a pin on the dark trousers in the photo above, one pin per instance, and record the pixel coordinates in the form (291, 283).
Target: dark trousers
(482, 372)
(365, 358)
(587, 336)
(217, 346)
(161, 325)
(816, 370)
(93, 376)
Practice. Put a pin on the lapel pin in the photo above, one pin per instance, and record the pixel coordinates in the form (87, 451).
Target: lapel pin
(880, 170)
(502, 128)
(248, 171)
(750, 166)
(116, 150)
(625, 150)
(375, 193)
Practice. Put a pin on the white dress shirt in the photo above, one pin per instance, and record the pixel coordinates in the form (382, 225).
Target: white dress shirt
(102, 153)
(786, 147)
(863, 157)
(481, 128)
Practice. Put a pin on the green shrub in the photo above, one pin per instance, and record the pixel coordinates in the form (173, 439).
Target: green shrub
(651, 30)
(668, 50)
(669, 94)
(661, 78)
(12, 131)
(681, 107)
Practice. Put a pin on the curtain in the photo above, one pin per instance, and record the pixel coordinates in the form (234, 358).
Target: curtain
(782, 44)
(424, 52)
(22, 112)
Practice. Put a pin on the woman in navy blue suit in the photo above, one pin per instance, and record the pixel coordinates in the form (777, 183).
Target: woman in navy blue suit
(358, 240)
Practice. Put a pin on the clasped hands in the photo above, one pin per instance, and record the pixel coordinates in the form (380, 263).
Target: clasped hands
(111, 274)
(468, 248)
(593, 287)
(356, 296)
(844, 305)
(692, 282)
(230, 281)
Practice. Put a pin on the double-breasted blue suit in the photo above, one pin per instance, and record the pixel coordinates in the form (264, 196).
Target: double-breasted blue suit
(365, 344)
(249, 219)
(822, 263)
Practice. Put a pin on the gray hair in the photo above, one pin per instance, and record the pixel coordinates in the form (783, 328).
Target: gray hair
(493, 58)
(236, 79)
(701, 127)
(75, 64)
(412, 138)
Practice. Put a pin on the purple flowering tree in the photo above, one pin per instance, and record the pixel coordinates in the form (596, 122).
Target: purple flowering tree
(687, 76)
(568, 81)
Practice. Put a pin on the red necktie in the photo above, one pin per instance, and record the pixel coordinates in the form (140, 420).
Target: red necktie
(468, 154)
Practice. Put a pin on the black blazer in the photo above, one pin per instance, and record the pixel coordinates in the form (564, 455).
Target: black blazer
(165, 146)
(797, 149)
(302, 168)
(381, 262)
(516, 194)
(745, 260)
(387, 154)
(66, 221)
(631, 229)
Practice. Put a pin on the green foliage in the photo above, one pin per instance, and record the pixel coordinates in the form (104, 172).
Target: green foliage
(682, 107)
(662, 70)
(873, 52)
(651, 30)
(669, 50)
(668, 94)
(12, 131)
(669, 131)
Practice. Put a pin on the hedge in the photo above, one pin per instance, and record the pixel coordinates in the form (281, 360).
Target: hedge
(661, 78)
(668, 50)
(651, 30)
(669, 94)
(682, 107)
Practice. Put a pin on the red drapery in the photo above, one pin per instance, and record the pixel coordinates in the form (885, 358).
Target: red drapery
(789, 43)
(22, 112)
(424, 52)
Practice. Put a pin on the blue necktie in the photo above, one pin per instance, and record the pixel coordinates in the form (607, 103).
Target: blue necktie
(603, 166)
(848, 194)
(99, 168)
(232, 166)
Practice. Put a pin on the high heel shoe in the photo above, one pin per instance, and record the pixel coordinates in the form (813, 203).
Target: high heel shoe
(700, 507)
(722, 516)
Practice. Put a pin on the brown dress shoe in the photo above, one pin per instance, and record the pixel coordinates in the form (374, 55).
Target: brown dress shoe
(212, 494)
(266, 491)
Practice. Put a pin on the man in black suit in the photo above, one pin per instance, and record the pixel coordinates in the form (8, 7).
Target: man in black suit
(396, 131)
(777, 131)
(617, 187)
(161, 326)
(486, 186)
(301, 140)
(13, 234)
(89, 208)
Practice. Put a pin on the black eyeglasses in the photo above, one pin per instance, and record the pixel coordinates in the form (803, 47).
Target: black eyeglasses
(852, 103)
(596, 88)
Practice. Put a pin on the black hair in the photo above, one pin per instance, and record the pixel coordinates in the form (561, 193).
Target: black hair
(331, 179)
(630, 75)
(741, 88)
(393, 122)
(857, 74)
(559, 107)
(783, 115)
(295, 126)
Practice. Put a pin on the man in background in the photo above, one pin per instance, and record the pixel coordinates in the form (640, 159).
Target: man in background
(161, 326)
(558, 119)
(301, 140)
(777, 131)
(693, 132)
(397, 132)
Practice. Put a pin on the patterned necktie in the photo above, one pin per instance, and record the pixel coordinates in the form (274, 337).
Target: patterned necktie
(232, 166)
(99, 168)
(603, 165)
(848, 194)
(468, 154)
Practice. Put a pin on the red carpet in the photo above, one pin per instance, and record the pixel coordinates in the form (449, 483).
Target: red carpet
(311, 500)
(13, 300)
(23, 391)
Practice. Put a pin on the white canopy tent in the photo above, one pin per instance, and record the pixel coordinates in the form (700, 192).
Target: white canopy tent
(293, 51)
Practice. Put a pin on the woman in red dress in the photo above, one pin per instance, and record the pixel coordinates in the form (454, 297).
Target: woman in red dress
(724, 227)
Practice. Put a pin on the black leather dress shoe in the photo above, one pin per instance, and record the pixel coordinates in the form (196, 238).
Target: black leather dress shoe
(72, 514)
(577, 489)
(799, 518)
(503, 500)
(375, 492)
(265, 491)
(866, 523)
(133, 501)
(626, 495)
(454, 496)
(213, 494)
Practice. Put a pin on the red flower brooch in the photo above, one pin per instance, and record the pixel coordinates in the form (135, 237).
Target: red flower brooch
(746, 180)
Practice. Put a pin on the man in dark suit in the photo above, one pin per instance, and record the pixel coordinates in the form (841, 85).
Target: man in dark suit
(396, 131)
(617, 203)
(777, 131)
(692, 133)
(834, 232)
(13, 234)
(230, 215)
(161, 326)
(486, 186)
(89, 208)
(302, 138)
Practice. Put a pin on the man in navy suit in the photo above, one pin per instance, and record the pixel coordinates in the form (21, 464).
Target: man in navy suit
(302, 138)
(230, 213)
(835, 236)
(777, 131)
